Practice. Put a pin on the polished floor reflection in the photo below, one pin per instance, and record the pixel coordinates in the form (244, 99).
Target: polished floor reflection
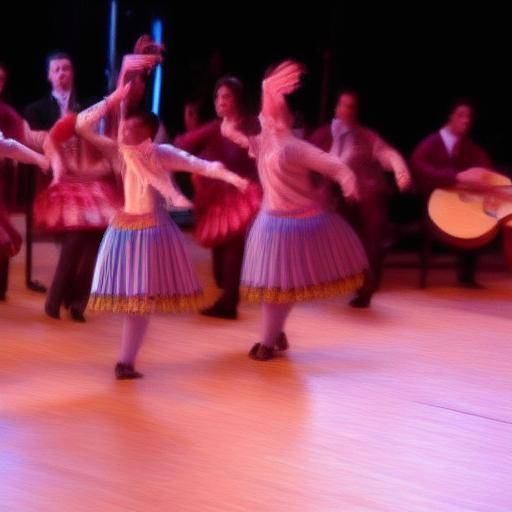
(405, 407)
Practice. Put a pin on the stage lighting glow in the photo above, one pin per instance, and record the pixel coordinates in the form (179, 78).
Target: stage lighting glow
(157, 32)
(112, 38)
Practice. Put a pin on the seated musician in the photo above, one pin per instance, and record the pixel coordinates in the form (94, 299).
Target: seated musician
(439, 158)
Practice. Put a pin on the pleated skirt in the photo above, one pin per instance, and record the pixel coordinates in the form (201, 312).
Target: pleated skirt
(142, 267)
(290, 259)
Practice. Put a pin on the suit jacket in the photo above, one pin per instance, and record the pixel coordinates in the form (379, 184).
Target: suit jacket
(45, 112)
(42, 115)
(434, 167)
(361, 146)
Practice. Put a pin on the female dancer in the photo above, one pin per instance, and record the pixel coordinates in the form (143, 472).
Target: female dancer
(223, 213)
(77, 207)
(295, 251)
(142, 265)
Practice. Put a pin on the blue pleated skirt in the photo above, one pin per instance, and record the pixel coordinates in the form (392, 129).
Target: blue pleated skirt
(291, 259)
(142, 267)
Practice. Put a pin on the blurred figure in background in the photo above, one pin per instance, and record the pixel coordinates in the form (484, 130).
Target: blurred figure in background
(194, 116)
(223, 213)
(368, 155)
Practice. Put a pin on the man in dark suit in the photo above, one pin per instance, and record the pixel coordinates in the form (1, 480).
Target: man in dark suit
(440, 157)
(41, 115)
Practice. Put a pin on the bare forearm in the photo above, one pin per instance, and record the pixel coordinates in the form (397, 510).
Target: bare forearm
(13, 149)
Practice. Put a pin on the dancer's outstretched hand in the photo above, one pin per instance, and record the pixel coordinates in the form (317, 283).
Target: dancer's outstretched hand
(229, 130)
(52, 159)
(220, 170)
(283, 80)
(241, 184)
(182, 202)
(350, 188)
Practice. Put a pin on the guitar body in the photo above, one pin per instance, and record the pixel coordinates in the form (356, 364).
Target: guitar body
(469, 220)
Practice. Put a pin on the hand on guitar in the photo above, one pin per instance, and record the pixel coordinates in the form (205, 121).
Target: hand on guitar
(470, 214)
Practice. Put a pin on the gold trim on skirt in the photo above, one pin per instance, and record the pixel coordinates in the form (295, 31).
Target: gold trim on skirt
(144, 305)
(316, 291)
(133, 221)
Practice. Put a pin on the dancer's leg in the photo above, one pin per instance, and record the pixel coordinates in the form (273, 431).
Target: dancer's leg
(63, 279)
(217, 265)
(134, 330)
(231, 262)
(273, 318)
(84, 274)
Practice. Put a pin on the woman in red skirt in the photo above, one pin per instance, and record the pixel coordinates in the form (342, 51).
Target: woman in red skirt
(223, 213)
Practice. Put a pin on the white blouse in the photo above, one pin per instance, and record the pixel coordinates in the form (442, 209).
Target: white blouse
(285, 164)
(146, 167)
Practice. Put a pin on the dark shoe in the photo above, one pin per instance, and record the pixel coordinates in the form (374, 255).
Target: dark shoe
(3, 298)
(52, 311)
(361, 301)
(76, 315)
(282, 343)
(36, 286)
(261, 352)
(126, 371)
(216, 312)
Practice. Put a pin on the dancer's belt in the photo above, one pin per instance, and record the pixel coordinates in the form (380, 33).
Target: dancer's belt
(131, 221)
(296, 214)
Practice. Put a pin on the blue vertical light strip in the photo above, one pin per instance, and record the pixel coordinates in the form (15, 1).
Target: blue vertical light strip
(112, 45)
(157, 33)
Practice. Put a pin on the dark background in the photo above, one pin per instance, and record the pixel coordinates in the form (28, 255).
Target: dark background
(408, 62)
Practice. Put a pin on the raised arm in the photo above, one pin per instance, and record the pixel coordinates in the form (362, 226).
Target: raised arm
(305, 155)
(87, 123)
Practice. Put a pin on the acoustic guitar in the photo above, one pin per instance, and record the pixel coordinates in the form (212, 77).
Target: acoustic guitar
(470, 215)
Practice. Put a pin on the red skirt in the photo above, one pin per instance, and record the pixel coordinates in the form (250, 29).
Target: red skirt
(10, 239)
(222, 211)
(76, 205)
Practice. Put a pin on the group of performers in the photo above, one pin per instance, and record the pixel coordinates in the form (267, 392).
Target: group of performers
(287, 219)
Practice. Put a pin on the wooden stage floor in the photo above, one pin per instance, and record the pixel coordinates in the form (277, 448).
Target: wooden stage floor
(405, 407)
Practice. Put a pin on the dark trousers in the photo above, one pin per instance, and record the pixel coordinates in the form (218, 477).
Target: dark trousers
(227, 267)
(4, 276)
(29, 221)
(72, 281)
(466, 266)
(369, 217)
